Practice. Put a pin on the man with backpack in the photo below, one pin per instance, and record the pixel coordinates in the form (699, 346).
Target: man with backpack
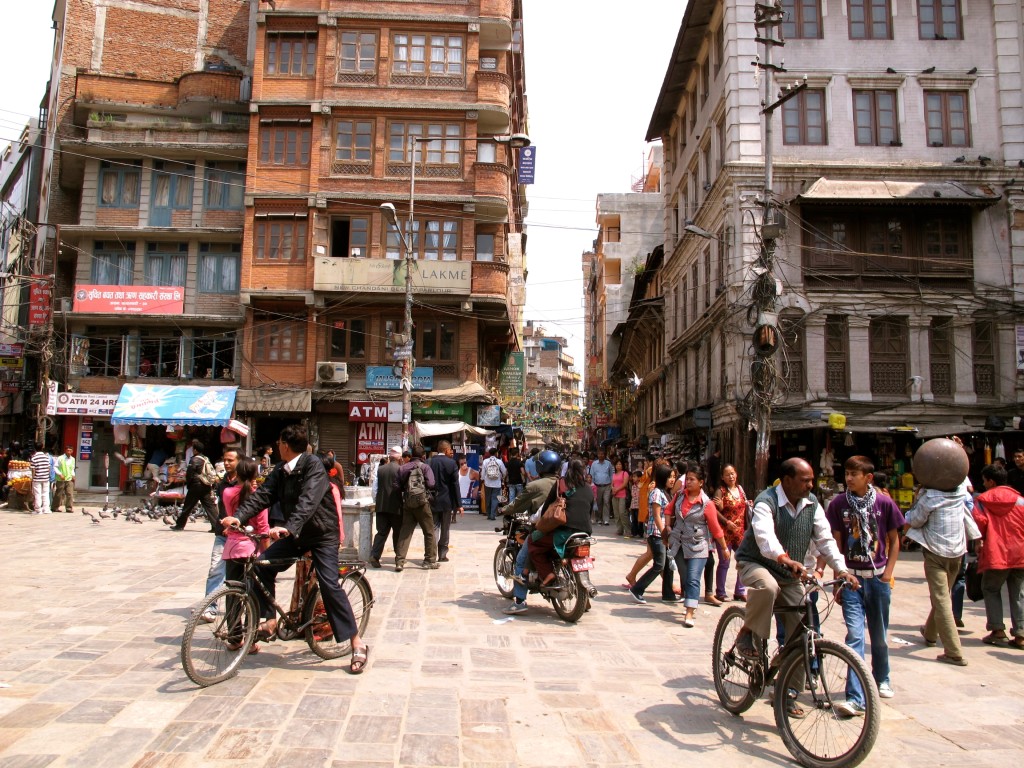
(446, 498)
(493, 474)
(414, 480)
(200, 478)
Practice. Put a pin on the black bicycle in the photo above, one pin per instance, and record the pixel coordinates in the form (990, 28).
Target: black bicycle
(814, 674)
(213, 651)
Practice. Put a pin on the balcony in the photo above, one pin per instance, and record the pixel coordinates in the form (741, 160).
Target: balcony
(490, 278)
(492, 180)
(493, 88)
(192, 93)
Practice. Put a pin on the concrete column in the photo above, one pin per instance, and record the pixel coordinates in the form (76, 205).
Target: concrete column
(920, 360)
(814, 355)
(963, 363)
(1006, 362)
(860, 358)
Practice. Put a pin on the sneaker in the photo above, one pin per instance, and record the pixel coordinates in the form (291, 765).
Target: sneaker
(374, 562)
(208, 617)
(514, 608)
(885, 691)
(848, 709)
(431, 565)
(637, 598)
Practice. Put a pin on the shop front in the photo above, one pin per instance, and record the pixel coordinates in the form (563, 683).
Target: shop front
(87, 428)
(267, 411)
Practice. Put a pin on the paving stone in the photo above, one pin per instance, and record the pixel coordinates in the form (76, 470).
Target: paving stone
(420, 750)
(93, 711)
(297, 758)
(240, 744)
(374, 729)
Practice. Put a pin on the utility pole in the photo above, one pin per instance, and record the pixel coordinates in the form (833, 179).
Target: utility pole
(47, 277)
(767, 337)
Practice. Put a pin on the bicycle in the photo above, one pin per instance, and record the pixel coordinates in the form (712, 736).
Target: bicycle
(820, 737)
(212, 652)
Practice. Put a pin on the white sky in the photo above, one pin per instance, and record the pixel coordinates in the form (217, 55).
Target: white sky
(593, 71)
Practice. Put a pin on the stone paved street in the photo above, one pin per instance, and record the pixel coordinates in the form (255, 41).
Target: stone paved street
(90, 671)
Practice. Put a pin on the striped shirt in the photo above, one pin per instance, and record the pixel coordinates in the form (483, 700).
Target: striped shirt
(941, 521)
(41, 464)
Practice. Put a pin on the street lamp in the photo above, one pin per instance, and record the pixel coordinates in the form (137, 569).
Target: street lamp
(514, 141)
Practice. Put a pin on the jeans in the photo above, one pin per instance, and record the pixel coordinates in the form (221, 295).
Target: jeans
(991, 586)
(690, 570)
(519, 591)
(492, 502)
(959, 589)
(513, 491)
(940, 573)
(867, 605)
(660, 557)
(216, 575)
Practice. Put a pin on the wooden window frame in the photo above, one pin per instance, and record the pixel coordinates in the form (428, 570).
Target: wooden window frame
(124, 268)
(837, 353)
(985, 358)
(172, 257)
(889, 355)
(226, 183)
(431, 66)
(422, 238)
(354, 153)
(932, 16)
(278, 340)
(361, 65)
(280, 240)
(866, 25)
(287, 146)
(220, 347)
(275, 42)
(798, 108)
(869, 117)
(793, 369)
(341, 342)
(121, 173)
(218, 255)
(798, 26)
(940, 355)
(945, 130)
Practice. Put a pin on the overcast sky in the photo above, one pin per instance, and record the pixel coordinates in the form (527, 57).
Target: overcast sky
(593, 72)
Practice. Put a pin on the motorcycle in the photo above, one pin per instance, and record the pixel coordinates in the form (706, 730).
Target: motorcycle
(570, 592)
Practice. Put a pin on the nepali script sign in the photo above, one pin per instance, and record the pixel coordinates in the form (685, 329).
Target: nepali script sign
(388, 275)
(130, 299)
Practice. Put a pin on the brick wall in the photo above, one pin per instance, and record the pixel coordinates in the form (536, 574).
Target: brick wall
(158, 46)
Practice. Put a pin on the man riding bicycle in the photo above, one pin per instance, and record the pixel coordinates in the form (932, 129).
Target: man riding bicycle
(311, 518)
(785, 522)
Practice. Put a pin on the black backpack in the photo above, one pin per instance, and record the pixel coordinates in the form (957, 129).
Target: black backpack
(416, 486)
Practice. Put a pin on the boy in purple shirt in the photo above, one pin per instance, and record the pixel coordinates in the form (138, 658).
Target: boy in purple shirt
(867, 527)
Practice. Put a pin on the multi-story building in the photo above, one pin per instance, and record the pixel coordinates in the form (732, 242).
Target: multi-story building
(629, 229)
(551, 404)
(343, 92)
(895, 174)
(144, 172)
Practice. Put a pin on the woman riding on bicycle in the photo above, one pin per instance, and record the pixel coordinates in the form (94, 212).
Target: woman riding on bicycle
(238, 546)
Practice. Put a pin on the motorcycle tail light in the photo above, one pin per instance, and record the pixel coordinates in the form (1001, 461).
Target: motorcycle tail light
(583, 551)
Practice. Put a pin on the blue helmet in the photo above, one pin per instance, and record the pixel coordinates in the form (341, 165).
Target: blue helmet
(548, 462)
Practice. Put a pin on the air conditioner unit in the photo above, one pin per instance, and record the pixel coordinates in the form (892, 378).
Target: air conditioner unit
(331, 373)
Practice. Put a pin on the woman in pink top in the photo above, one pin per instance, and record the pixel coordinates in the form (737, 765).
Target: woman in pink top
(620, 483)
(238, 546)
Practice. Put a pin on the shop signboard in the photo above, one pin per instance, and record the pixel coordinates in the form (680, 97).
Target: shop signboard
(395, 433)
(40, 300)
(362, 410)
(12, 350)
(12, 363)
(83, 404)
(527, 164)
(370, 439)
(512, 379)
(130, 299)
(85, 439)
(388, 275)
(384, 377)
(447, 410)
(488, 415)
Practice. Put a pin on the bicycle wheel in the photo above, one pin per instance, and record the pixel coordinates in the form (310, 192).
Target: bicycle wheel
(319, 634)
(822, 738)
(212, 652)
(731, 670)
(504, 568)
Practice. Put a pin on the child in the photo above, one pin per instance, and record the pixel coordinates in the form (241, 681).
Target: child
(238, 546)
(634, 503)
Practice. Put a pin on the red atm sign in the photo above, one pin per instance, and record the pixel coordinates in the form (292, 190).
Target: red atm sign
(367, 411)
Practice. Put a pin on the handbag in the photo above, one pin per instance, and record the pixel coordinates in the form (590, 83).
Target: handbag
(972, 579)
(503, 494)
(554, 513)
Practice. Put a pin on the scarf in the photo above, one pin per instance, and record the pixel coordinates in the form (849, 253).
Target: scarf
(862, 524)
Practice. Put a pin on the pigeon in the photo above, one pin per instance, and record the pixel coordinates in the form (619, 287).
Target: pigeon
(927, 71)
(972, 71)
(90, 516)
(105, 515)
(168, 520)
(86, 512)
(890, 70)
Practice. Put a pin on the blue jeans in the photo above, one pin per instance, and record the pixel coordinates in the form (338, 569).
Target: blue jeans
(657, 569)
(519, 591)
(513, 491)
(870, 605)
(216, 575)
(690, 571)
(492, 502)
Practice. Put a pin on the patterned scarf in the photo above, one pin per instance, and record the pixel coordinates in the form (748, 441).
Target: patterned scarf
(862, 524)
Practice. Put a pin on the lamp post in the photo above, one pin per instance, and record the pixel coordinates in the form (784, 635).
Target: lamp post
(514, 141)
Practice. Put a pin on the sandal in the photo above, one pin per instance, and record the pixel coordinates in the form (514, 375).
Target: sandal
(956, 661)
(360, 656)
(995, 638)
(795, 711)
(266, 631)
(1018, 643)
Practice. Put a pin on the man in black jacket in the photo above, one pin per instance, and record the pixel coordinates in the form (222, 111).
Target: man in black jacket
(446, 497)
(311, 523)
(197, 488)
(388, 504)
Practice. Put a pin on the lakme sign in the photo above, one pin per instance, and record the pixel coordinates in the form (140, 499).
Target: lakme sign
(388, 275)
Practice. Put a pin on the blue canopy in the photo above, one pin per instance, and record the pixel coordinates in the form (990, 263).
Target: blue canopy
(174, 405)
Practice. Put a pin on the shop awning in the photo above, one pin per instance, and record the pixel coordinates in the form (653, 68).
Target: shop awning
(174, 405)
(274, 401)
(438, 428)
(470, 392)
(845, 191)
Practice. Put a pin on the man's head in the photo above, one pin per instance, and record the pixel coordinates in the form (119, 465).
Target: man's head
(395, 454)
(797, 479)
(1018, 458)
(69, 451)
(417, 452)
(601, 454)
(859, 474)
(444, 448)
(292, 442)
(993, 476)
(230, 462)
(197, 446)
(492, 452)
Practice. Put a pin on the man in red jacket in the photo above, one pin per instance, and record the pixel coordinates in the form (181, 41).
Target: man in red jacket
(999, 513)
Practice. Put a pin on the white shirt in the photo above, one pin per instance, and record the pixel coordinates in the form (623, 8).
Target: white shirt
(821, 535)
(290, 466)
(502, 472)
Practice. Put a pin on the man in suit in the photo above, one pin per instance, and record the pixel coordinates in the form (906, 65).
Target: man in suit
(388, 502)
(446, 498)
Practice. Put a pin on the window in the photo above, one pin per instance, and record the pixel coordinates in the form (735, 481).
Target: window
(486, 152)
(707, 277)
(348, 339)
(213, 356)
(440, 240)
(435, 341)
(159, 357)
(947, 118)
(874, 117)
(940, 356)
(353, 141)
(278, 339)
(428, 56)
(888, 340)
(720, 45)
(349, 237)
(113, 265)
(705, 81)
(291, 54)
(104, 356)
(939, 20)
(802, 19)
(803, 118)
(694, 287)
(225, 186)
(166, 264)
(836, 355)
(119, 184)
(285, 144)
(681, 304)
(692, 109)
(791, 328)
(484, 247)
(723, 376)
(983, 341)
(172, 191)
(721, 131)
(280, 239)
(445, 149)
(870, 20)
(218, 268)
(358, 55)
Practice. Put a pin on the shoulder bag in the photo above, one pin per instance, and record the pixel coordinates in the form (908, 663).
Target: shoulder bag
(554, 513)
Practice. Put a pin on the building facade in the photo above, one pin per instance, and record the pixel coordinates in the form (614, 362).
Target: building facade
(899, 266)
(551, 403)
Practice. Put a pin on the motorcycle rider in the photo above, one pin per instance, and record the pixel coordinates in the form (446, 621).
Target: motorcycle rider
(548, 464)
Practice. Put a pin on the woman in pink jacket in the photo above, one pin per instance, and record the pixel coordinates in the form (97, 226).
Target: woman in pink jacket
(999, 513)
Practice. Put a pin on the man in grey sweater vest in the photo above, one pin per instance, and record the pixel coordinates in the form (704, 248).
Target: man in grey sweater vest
(785, 522)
